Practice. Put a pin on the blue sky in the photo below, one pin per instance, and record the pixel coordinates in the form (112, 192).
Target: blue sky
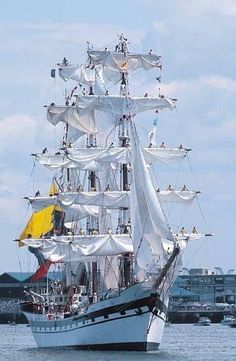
(197, 42)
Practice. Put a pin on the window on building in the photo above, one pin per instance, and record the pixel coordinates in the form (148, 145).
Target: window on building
(219, 289)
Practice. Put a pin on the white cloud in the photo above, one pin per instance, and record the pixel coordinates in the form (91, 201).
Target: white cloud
(44, 35)
(160, 27)
(219, 82)
(14, 130)
(22, 133)
(226, 7)
(199, 84)
(222, 197)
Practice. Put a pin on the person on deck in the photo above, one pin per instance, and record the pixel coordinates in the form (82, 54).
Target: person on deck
(182, 231)
(81, 232)
(194, 230)
(162, 145)
(170, 188)
(65, 61)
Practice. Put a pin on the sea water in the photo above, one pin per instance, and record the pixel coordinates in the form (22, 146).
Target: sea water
(180, 343)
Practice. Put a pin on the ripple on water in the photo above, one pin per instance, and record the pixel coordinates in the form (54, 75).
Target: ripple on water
(180, 343)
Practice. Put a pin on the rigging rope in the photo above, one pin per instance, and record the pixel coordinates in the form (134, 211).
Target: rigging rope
(199, 206)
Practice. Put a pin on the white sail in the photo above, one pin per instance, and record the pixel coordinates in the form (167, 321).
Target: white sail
(185, 197)
(81, 158)
(149, 225)
(164, 155)
(72, 211)
(40, 202)
(54, 161)
(80, 73)
(107, 155)
(119, 105)
(115, 199)
(190, 236)
(90, 75)
(121, 62)
(80, 203)
(107, 67)
(81, 248)
(76, 212)
(70, 115)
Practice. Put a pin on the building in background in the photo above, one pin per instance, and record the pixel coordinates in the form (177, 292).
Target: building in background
(205, 286)
(196, 292)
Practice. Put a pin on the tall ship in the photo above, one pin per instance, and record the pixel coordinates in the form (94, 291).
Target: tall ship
(104, 220)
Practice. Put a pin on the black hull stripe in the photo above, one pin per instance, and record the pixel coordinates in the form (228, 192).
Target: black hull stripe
(151, 302)
(126, 346)
(91, 324)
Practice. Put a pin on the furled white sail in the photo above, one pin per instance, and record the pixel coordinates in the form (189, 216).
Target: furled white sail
(40, 202)
(81, 158)
(149, 225)
(185, 197)
(119, 105)
(73, 212)
(79, 248)
(121, 62)
(190, 236)
(108, 155)
(71, 116)
(53, 161)
(115, 199)
(164, 155)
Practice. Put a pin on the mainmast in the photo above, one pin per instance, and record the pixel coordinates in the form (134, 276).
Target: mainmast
(126, 260)
(92, 224)
(66, 139)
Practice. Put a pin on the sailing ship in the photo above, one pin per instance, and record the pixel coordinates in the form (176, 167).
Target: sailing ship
(103, 218)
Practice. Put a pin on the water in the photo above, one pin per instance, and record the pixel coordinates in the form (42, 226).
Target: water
(180, 343)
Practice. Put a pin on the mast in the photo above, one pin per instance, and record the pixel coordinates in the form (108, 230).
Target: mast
(126, 260)
(92, 221)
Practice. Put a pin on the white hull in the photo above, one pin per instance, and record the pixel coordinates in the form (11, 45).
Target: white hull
(135, 327)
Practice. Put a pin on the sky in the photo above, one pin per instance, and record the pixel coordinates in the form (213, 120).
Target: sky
(196, 40)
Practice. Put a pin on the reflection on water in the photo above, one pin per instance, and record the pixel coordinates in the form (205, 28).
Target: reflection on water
(180, 343)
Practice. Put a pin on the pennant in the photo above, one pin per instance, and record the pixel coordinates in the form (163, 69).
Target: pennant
(53, 73)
